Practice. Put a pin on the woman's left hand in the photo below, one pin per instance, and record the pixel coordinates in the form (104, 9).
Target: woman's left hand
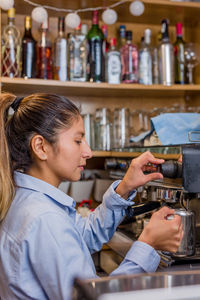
(135, 176)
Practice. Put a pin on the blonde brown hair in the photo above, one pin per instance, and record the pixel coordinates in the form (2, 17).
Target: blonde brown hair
(42, 114)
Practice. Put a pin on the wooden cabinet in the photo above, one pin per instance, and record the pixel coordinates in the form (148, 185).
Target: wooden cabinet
(92, 95)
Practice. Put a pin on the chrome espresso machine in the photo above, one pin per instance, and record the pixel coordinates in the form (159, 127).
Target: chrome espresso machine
(180, 189)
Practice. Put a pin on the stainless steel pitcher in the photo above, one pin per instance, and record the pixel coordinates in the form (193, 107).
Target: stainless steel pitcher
(187, 246)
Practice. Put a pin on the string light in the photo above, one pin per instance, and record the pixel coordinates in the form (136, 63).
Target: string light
(39, 14)
(6, 4)
(136, 8)
(109, 16)
(72, 20)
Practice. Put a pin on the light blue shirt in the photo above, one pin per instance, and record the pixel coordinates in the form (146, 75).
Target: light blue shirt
(44, 243)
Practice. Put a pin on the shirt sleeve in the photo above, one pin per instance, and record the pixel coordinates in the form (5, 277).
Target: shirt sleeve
(99, 227)
(140, 258)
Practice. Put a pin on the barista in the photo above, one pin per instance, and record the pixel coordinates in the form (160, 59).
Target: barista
(44, 242)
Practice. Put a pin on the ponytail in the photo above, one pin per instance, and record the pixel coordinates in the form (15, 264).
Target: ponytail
(7, 189)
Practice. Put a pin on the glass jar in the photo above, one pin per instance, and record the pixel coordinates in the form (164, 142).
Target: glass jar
(88, 120)
(121, 125)
(103, 132)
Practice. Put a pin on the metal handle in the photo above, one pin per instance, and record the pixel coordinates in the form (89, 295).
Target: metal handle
(190, 136)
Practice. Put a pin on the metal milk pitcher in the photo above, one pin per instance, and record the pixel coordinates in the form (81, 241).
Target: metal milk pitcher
(187, 246)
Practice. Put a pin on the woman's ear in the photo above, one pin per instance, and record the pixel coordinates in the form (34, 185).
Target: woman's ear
(38, 146)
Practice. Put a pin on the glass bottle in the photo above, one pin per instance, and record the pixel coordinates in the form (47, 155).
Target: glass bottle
(44, 64)
(166, 56)
(60, 53)
(95, 54)
(113, 64)
(179, 60)
(145, 60)
(78, 54)
(28, 51)
(106, 44)
(11, 48)
(129, 60)
(122, 36)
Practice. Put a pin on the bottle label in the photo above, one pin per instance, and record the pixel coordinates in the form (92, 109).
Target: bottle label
(114, 68)
(97, 54)
(77, 55)
(145, 68)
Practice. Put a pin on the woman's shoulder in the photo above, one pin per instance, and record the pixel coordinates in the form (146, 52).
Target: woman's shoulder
(28, 211)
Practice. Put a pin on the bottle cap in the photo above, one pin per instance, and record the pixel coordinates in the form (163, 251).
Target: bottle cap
(95, 18)
(45, 24)
(104, 28)
(11, 12)
(123, 27)
(164, 29)
(78, 27)
(122, 31)
(27, 22)
(147, 35)
(179, 28)
(129, 35)
(61, 24)
(113, 42)
(84, 29)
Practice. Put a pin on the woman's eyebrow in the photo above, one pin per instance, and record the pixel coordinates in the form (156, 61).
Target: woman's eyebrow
(80, 133)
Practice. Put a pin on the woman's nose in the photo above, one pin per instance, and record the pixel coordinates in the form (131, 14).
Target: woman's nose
(87, 152)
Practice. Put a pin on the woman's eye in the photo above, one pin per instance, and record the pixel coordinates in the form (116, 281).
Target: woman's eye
(78, 142)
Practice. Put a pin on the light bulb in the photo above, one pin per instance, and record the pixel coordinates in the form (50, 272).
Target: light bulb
(72, 20)
(109, 16)
(6, 4)
(39, 14)
(136, 8)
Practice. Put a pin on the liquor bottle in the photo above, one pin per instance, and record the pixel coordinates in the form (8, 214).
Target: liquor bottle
(129, 60)
(145, 60)
(60, 53)
(28, 51)
(180, 74)
(122, 36)
(113, 64)
(44, 63)
(166, 56)
(96, 64)
(106, 44)
(11, 48)
(77, 54)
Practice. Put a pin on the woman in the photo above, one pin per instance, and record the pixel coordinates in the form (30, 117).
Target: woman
(44, 244)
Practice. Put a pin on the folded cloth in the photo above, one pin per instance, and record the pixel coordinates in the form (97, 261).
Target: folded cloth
(173, 128)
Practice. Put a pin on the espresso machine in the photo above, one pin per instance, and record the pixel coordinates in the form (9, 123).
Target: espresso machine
(180, 190)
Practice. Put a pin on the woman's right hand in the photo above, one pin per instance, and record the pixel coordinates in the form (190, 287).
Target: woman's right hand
(163, 234)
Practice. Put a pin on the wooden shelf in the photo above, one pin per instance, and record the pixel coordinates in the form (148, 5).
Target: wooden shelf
(27, 86)
(155, 10)
(131, 154)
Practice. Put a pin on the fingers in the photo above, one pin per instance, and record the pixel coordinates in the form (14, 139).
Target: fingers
(164, 212)
(153, 176)
(177, 219)
(147, 157)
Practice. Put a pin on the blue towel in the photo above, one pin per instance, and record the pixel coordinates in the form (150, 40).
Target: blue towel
(173, 128)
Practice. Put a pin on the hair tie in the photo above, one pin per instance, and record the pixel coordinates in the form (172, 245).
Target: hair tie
(16, 102)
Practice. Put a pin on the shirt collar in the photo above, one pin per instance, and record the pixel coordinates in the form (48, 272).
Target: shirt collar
(33, 183)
